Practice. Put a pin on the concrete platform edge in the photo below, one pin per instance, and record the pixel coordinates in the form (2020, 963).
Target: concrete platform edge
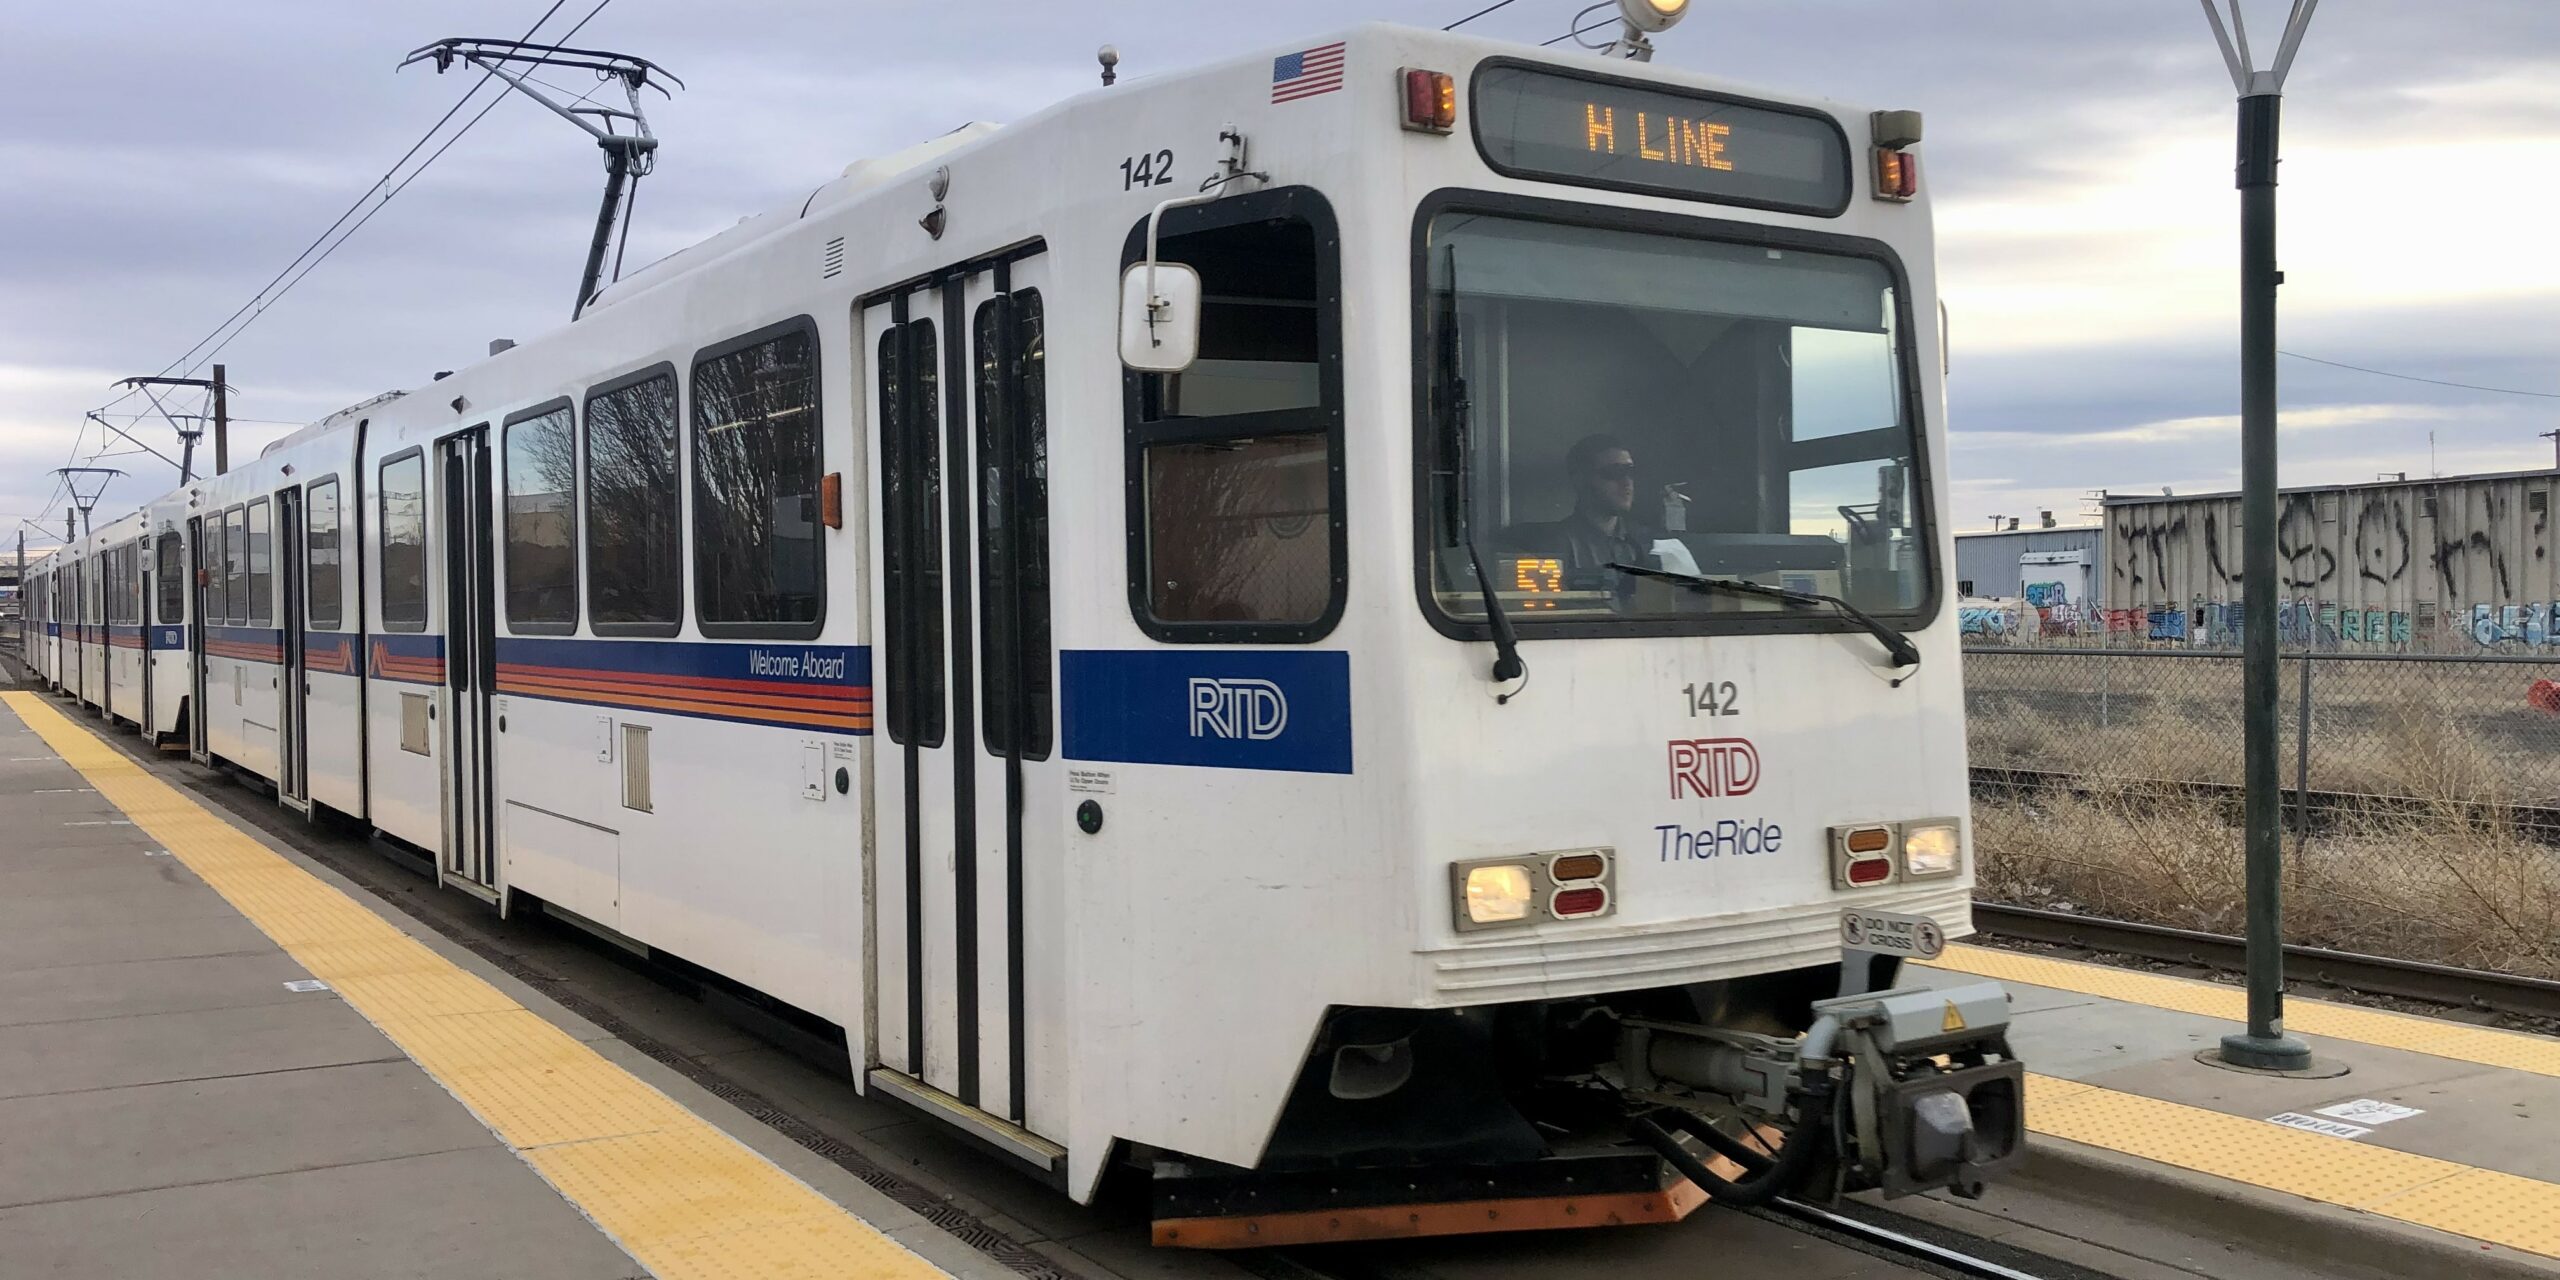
(2332, 1235)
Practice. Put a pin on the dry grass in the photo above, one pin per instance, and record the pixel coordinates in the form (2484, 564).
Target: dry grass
(2444, 884)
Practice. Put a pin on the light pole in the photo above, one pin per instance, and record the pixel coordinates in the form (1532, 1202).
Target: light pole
(2264, 1046)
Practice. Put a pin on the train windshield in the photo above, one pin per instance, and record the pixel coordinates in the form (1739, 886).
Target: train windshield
(1604, 397)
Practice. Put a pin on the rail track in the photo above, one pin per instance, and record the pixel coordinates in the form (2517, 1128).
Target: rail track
(1882, 1240)
(1877, 1233)
(2540, 819)
(2373, 975)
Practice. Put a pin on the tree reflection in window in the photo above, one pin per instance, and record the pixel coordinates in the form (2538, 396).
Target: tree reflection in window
(635, 537)
(404, 544)
(542, 557)
(757, 557)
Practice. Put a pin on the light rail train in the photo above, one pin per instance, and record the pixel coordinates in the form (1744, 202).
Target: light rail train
(1347, 628)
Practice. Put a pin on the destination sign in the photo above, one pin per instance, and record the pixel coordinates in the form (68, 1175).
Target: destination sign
(1538, 123)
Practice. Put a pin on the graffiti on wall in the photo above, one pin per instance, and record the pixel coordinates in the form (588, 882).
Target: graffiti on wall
(2445, 565)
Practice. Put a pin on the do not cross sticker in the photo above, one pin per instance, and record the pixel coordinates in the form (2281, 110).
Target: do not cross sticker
(1892, 934)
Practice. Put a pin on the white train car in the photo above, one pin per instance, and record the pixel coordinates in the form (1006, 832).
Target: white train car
(1405, 584)
(40, 630)
(117, 550)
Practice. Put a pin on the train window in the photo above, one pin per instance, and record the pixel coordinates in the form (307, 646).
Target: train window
(404, 543)
(759, 565)
(1636, 395)
(1013, 520)
(911, 524)
(171, 577)
(1235, 464)
(634, 522)
(217, 581)
(262, 608)
(542, 546)
(322, 583)
(235, 567)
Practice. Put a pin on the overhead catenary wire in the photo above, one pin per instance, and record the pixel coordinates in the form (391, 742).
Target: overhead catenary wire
(1578, 32)
(1497, 4)
(258, 301)
(2411, 377)
(379, 205)
(246, 308)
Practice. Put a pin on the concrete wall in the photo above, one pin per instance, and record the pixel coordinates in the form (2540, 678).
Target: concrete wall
(2438, 565)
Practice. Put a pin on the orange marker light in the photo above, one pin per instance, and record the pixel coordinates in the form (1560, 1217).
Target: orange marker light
(1578, 866)
(1430, 100)
(1868, 840)
(1897, 175)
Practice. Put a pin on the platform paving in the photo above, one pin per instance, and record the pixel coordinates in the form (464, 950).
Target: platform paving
(2472, 1172)
(170, 1108)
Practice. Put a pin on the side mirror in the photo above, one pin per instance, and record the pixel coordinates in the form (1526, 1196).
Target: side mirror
(1160, 328)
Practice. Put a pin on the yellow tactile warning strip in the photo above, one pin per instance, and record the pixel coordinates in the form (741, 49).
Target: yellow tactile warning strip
(2433, 1036)
(2482, 1204)
(686, 1200)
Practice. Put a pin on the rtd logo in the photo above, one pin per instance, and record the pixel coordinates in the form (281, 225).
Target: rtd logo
(1254, 710)
(1713, 768)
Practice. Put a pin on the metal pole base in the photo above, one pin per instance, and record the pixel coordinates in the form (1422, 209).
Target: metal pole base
(2266, 1053)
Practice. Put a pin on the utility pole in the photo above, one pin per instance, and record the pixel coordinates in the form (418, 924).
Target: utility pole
(2554, 437)
(221, 422)
(2264, 1046)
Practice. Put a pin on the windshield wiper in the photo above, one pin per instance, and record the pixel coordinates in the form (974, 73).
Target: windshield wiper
(1458, 446)
(1896, 644)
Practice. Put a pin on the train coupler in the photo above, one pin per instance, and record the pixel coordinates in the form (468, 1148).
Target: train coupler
(1908, 1090)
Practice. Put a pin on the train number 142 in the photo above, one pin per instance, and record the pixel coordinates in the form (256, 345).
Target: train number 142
(1713, 698)
(1147, 171)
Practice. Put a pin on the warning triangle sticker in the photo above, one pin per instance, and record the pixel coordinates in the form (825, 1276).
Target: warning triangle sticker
(1954, 1021)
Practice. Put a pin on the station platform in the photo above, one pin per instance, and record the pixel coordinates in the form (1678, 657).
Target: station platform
(215, 1061)
(2415, 1145)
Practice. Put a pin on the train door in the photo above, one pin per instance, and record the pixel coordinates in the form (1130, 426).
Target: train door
(144, 596)
(470, 664)
(968, 786)
(199, 666)
(293, 763)
(110, 594)
(198, 661)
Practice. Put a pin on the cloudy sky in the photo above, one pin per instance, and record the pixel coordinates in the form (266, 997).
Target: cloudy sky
(163, 160)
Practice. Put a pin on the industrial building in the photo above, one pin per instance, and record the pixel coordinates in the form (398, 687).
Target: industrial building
(2442, 563)
(2003, 564)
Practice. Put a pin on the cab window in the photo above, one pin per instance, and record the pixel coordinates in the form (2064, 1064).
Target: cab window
(1235, 464)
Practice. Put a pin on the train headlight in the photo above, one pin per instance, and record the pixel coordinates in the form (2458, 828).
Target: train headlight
(1497, 894)
(1931, 849)
(1652, 15)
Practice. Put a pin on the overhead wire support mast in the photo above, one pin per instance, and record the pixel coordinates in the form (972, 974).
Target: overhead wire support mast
(186, 465)
(630, 149)
(2264, 1046)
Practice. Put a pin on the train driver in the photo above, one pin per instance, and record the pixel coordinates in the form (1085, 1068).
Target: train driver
(1601, 530)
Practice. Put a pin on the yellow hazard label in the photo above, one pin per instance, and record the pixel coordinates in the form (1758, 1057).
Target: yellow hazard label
(1954, 1021)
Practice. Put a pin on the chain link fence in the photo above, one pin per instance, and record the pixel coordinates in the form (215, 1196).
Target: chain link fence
(2478, 729)
(2422, 795)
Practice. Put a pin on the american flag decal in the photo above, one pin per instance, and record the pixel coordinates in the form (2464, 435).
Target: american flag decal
(1306, 73)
